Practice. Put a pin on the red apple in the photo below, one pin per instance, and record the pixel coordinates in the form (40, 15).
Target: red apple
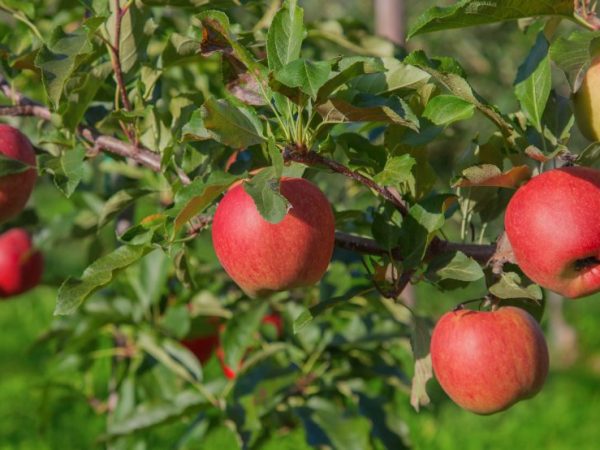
(488, 361)
(21, 266)
(263, 257)
(15, 189)
(202, 347)
(553, 227)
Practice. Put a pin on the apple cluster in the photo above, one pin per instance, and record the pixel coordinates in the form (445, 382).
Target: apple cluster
(21, 265)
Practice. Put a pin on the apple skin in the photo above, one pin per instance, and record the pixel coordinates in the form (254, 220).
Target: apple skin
(586, 102)
(262, 257)
(488, 361)
(15, 189)
(21, 266)
(202, 347)
(553, 227)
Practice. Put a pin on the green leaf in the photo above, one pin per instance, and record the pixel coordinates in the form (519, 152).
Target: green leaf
(119, 202)
(459, 266)
(510, 286)
(59, 58)
(239, 333)
(11, 166)
(173, 357)
(285, 35)
(194, 198)
(235, 126)
(446, 109)
(276, 158)
(396, 76)
(534, 82)
(590, 156)
(420, 339)
(100, 273)
(476, 12)
(153, 413)
(264, 190)
(135, 33)
(397, 172)
(66, 170)
(390, 110)
(573, 54)
(350, 68)
(305, 75)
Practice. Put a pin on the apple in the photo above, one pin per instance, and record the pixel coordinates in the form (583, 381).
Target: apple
(553, 227)
(586, 102)
(486, 361)
(16, 188)
(202, 347)
(21, 266)
(262, 257)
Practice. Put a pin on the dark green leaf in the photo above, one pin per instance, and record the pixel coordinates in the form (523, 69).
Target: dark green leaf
(119, 202)
(239, 333)
(476, 12)
(534, 81)
(285, 36)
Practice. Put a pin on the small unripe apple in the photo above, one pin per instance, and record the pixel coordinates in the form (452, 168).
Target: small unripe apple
(586, 102)
(16, 188)
(21, 266)
(553, 227)
(488, 361)
(263, 257)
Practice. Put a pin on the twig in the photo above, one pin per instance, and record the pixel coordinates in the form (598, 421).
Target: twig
(312, 158)
(28, 107)
(586, 15)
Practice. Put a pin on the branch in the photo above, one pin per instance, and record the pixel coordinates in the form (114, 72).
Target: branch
(586, 15)
(312, 158)
(27, 107)
(115, 49)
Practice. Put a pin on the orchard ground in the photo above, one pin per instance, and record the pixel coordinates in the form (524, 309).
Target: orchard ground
(37, 414)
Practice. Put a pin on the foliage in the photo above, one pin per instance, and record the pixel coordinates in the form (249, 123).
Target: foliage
(144, 103)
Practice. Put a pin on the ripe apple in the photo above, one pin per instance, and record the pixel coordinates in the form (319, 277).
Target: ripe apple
(586, 102)
(21, 266)
(488, 361)
(202, 347)
(263, 257)
(553, 227)
(16, 188)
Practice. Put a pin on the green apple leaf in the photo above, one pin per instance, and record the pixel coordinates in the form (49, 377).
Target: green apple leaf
(119, 201)
(285, 35)
(305, 75)
(264, 190)
(534, 81)
(420, 339)
(11, 166)
(74, 291)
(476, 12)
(573, 54)
(511, 286)
(446, 109)
(398, 173)
(458, 266)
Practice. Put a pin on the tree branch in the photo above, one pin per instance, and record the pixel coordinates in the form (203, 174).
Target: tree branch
(312, 158)
(586, 14)
(27, 107)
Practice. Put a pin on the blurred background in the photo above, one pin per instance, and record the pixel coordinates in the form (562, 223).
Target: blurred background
(36, 414)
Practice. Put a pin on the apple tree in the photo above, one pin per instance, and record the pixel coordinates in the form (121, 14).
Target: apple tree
(339, 169)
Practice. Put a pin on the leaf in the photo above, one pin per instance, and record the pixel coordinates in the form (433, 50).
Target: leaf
(534, 81)
(420, 339)
(573, 54)
(178, 360)
(153, 413)
(590, 156)
(491, 176)
(510, 286)
(446, 109)
(459, 266)
(305, 75)
(396, 76)
(397, 172)
(393, 110)
(134, 35)
(239, 333)
(194, 198)
(264, 190)
(119, 202)
(476, 12)
(11, 166)
(285, 35)
(100, 273)
(66, 170)
(231, 125)
(350, 68)
(59, 58)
